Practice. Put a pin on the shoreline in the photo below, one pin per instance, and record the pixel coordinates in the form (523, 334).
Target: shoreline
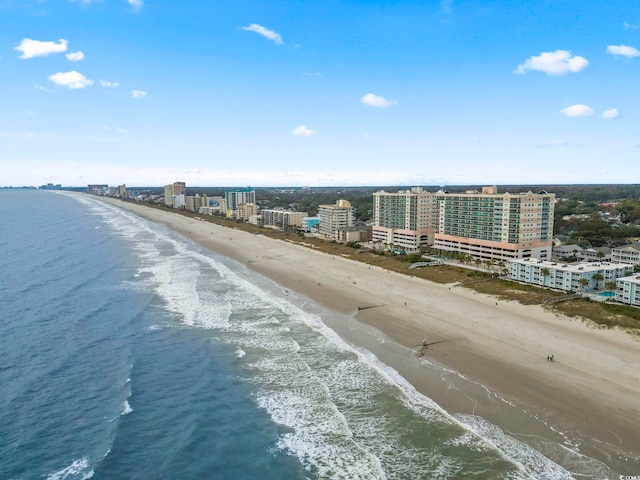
(586, 399)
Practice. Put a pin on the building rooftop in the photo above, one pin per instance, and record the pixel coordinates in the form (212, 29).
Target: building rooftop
(573, 267)
(634, 246)
(631, 279)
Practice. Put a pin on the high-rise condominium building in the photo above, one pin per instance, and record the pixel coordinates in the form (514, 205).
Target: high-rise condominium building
(193, 203)
(333, 217)
(233, 198)
(168, 195)
(171, 190)
(495, 226)
(407, 219)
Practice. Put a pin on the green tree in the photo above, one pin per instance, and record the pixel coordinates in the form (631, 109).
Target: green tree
(598, 277)
(583, 283)
(611, 286)
(545, 273)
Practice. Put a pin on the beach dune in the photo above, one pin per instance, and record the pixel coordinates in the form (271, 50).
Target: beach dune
(494, 353)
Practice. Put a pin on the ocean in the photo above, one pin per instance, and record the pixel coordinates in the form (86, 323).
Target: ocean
(128, 351)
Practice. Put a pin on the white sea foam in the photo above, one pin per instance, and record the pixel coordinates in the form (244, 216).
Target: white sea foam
(240, 353)
(77, 468)
(126, 408)
(536, 464)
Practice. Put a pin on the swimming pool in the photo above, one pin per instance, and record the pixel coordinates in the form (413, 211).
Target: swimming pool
(607, 294)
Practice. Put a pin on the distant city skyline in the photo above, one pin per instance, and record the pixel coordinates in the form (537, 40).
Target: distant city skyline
(319, 93)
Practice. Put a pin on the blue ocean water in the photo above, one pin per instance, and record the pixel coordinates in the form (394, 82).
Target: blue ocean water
(129, 352)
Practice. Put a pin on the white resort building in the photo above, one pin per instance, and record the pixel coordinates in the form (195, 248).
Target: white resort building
(581, 277)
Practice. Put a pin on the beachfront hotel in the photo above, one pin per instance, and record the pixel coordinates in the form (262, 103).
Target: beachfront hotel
(580, 277)
(246, 210)
(233, 198)
(195, 202)
(333, 217)
(407, 219)
(173, 190)
(493, 226)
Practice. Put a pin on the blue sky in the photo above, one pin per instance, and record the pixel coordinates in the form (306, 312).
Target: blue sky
(319, 92)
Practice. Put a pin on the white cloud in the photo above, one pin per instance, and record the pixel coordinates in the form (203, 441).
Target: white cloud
(376, 101)
(71, 80)
(265, 32)
(578, 110)
(303, 131)
(106, 84)
(75, 56)
(312, 74)
(553, 63)
(138, 94)
(135, 4)
(40, 87)
(623, 51)
(35, 48)
(629, 26)
(611, 113)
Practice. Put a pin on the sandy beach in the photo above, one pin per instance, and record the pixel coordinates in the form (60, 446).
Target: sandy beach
(493, 359)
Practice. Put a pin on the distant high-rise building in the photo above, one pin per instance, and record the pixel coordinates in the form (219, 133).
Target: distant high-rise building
(168, 195)
(233, 198)
(246, 210)
(98, 189)
(180, 188)
(194, 202)
(171, 190)
(333, 217)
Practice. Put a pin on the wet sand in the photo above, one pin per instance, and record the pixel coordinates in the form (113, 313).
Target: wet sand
(493, 362)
